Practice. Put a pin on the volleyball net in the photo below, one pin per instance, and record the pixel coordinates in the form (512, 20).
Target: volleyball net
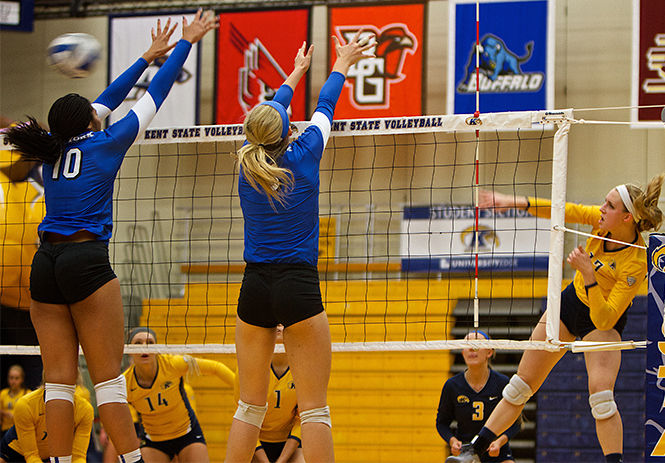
(407, 260)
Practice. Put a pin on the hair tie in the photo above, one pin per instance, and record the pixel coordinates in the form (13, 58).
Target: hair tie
(625, 197)
(262, 145)
(282, 113)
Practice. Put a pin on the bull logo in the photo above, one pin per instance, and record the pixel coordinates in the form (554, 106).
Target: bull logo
(500, 69)
(260, 76)
(487, 238)
(370, 78)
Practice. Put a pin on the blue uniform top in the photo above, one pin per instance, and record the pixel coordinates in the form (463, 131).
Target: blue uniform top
(79, 186)
(289, 232)
(470, 408)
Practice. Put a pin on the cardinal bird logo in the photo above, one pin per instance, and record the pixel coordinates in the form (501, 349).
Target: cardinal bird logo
(370, 78)
(260, 76)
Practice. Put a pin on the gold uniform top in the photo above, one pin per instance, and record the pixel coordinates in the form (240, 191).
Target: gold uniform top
(619, 272)
(7, 403)
(282, 419)
(30, 423)
(164, 408)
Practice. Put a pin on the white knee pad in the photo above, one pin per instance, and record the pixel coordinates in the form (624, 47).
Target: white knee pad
(111, 391)
(517, 392)
(316, 415)
(603, 405)
(251, 414)
(55, 391)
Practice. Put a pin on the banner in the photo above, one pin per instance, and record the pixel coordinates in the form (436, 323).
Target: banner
(516, 56)
(391, 83)
(655, 375)
(255, 52)
(441, 239)
(648, 79)
(129, 37)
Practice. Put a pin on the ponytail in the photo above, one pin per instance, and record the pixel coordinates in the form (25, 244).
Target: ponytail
(69, 116)
(648, 215)
(258, 158)
(34, 143)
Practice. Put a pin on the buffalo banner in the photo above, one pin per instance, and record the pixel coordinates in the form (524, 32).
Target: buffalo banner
(516, 56)
(648, 59)
(128, 37)
(255, 52)
(389, 84)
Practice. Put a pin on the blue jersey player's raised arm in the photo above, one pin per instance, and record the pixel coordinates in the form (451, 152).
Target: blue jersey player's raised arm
(75, 295)
(279, 196)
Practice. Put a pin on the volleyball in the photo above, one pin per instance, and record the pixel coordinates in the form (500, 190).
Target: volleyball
(74, 54)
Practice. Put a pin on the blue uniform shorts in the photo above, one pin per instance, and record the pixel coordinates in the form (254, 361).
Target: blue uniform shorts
(575, 315)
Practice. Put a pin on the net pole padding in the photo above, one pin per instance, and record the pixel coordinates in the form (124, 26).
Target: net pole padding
(558, 218)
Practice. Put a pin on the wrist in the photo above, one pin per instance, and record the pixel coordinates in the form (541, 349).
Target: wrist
(148, 57)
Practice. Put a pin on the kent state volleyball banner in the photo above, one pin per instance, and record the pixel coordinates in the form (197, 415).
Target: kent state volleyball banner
(655, 374)
(441, 239)
(255, 52)
(648, 82)
(516, 56)
(391, 83)
(129, 37)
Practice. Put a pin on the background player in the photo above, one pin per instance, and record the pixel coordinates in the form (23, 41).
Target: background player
(75, 293)
(28, 440)
(593, 307)
(156, 390)
(11, 394)
(279, 438)
(279, 196)
(469, 398)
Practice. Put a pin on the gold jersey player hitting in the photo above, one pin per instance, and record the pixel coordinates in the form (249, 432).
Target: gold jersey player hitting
(608, 275)
(156, 389)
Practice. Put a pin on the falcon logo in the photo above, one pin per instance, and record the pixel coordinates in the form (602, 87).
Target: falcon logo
(370, 78)
(260, 76)
(658, 258)
(500, 69)
(487, 238)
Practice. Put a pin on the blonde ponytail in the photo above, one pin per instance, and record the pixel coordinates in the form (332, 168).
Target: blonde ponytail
(258, 158)
(648, 215)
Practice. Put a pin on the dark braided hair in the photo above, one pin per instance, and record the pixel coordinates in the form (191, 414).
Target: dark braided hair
(69, 116)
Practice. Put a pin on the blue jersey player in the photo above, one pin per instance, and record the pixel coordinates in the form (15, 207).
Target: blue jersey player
(469, 398)
(279, 196)
(75, 295)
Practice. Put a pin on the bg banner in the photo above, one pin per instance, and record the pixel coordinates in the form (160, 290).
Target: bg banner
(648, 82)
(255, 52)
(516, 56)
(441, 239)
(129, 37)
(391, 83)
(655, 374)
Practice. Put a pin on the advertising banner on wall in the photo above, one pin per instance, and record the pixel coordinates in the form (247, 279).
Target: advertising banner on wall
(255, 52)
(129, 37)
(648, 79)
(516, 59)
(391, 83)
(441, 239)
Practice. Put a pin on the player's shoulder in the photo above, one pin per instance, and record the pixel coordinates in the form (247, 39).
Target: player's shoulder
(456, 382)
(499, 377)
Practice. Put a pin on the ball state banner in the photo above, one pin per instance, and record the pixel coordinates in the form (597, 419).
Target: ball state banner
(655, 374)
(648, 79)
(516, 56)
(441, 239)
(129, 37)
(255, 52)
(391, 83)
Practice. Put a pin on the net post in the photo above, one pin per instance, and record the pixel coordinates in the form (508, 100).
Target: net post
(654, 433)
(558, 217)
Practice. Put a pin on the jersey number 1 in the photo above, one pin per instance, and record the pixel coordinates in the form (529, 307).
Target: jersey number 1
(71, 167)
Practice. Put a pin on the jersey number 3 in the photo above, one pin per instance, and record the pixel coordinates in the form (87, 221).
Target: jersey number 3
(478, 411)
(71, 167)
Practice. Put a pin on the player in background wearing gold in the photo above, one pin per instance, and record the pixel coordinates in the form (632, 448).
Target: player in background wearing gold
(156, 389)
(279, 438)
(11, 394)
(27, 440)
(593, 307)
